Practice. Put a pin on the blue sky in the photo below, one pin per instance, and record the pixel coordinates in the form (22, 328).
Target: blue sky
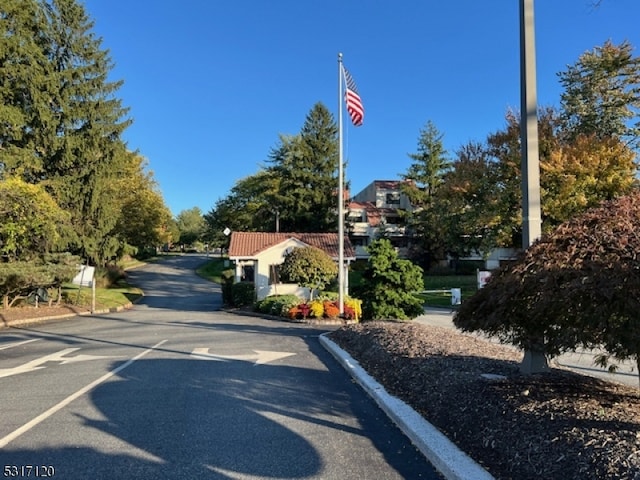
(212, 83)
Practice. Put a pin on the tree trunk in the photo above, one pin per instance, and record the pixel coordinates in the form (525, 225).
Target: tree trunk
(534, 362)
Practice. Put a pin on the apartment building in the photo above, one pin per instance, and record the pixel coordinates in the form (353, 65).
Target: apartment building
(377, 211)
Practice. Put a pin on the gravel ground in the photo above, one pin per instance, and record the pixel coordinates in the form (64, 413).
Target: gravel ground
(556, 425)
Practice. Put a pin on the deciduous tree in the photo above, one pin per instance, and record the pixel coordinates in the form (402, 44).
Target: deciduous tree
(309, 267)
(191, 225)
(583, 174)
(32, 223)
(579, 286)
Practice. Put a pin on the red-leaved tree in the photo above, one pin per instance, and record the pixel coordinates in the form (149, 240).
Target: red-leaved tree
(578, 286)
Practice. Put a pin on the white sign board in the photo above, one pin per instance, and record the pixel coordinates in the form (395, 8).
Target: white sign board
(483, 278)
(84, 278)
(456, 296)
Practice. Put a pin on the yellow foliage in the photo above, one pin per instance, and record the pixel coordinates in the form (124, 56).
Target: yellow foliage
(317, 308)
(356, 305)
(583, 174)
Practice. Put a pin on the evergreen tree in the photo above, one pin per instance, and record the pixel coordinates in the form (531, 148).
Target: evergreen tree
(422, 181)
(26, 89)
(602, 94)
(306, 166)
(60, 122)
(87, 153)
(389, 285)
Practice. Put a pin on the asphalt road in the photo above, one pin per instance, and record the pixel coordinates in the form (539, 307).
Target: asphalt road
(177, 389)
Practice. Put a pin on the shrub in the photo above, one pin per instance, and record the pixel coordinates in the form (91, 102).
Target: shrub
(317, 308)
(243, 294)
(328, 296)
(389, 284)
(109, 276)
(278, 305)
(331, 310)
(227, 277)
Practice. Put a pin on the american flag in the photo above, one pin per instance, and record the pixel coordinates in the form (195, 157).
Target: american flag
(352, 99)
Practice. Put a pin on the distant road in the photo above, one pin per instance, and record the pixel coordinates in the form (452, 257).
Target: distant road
(177, 389)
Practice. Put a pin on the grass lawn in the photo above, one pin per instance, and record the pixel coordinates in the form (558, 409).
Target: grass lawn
(466, 283)
(111, 297)
(212, 270)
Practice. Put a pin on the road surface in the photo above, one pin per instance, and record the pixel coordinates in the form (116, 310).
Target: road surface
(177, 389)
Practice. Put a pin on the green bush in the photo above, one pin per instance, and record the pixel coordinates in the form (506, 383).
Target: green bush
(109, 276)
(226, 278)
(277, 304)
(389, 284)
(243, 294)
(327, 295)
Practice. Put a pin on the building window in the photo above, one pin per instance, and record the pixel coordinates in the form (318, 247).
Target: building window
(274, 274)
(248, 273)
(393, 198)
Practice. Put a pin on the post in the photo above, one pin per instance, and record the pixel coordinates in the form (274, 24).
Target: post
(531, 215)
(93, 296)
(340, 195)
(533, 361)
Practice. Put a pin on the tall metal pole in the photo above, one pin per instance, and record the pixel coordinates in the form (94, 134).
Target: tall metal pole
(340, 195)
(532, 218)
(533, 361)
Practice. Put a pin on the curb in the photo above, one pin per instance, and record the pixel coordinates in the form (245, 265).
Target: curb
(445, 456)
(35, 320)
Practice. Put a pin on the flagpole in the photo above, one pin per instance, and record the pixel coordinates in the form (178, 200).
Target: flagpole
(340, 195)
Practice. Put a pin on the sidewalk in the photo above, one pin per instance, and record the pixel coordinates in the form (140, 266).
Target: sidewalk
(580, 361)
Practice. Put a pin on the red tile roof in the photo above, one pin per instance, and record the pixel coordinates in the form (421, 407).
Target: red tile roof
(374, 214)
(249, 244)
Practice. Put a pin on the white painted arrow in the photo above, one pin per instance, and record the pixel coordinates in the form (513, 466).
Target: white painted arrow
(54, 357)
(260, 356)
(17, 344)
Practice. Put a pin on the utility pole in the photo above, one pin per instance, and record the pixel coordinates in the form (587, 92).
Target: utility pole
(533, 361)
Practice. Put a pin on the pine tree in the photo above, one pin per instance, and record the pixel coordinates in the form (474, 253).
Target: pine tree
(306, 166)
(26, 94)
(422, 181)
(602, 94)
(86, 153)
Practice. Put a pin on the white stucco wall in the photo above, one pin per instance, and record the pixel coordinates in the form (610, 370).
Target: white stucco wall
(274, 256)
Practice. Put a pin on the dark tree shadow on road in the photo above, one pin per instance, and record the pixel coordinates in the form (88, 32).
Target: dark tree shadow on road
(191, 418)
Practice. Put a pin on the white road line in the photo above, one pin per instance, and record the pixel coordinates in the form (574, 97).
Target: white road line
(17, 344)
(43, 416)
